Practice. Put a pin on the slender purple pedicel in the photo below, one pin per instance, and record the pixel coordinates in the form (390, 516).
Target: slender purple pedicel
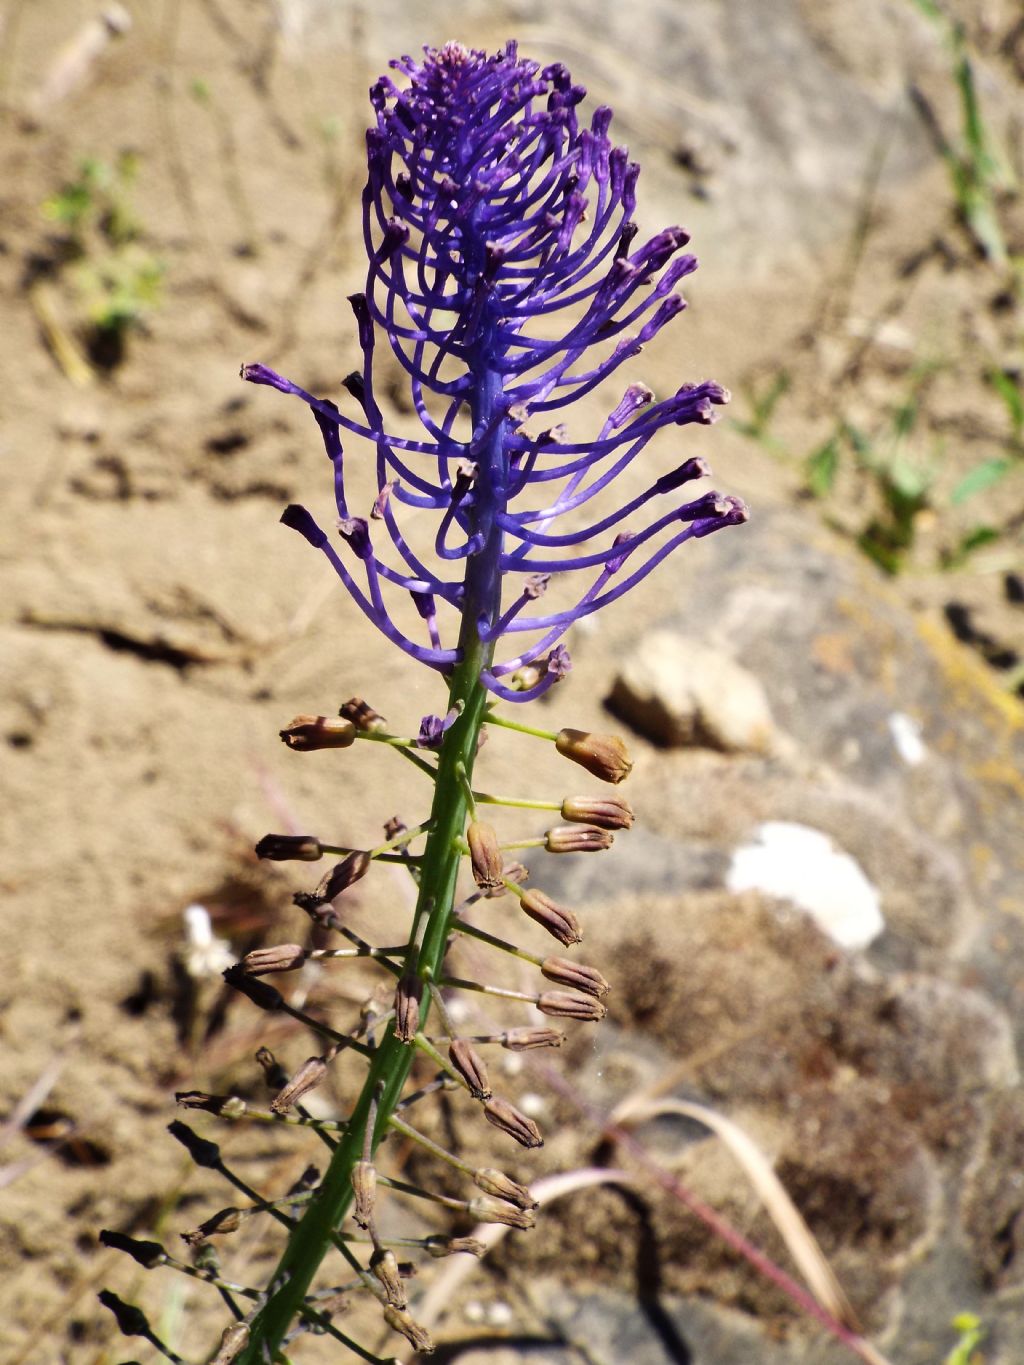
(488, 212)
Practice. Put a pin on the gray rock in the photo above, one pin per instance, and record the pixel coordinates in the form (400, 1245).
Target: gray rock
(764, 131)
(885, 1080)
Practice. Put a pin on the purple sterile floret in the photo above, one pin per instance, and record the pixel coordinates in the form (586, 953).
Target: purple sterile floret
(506, 277)
(433, 729)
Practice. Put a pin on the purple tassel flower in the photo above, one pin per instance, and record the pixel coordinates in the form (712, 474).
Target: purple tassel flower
(504, 276)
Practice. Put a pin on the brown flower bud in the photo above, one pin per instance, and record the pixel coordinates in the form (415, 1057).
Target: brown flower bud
(285, 957)
(510, 1120)
(565, 1006)
(487, 1210)
(524, 1039)
(607, 812)
(408, 995)
(306, 733)
(330, 1304)
(470, 1066)
(224, 1106)
(199, 1099)
(485, 856)
(307, 1078)
(233, 1341)
(399, 1320)
(264, 997)
(343, 874)
(438, 1246)
(364, 1190)
(273, 1072)
(384, 1265)
(575, 974)
(282, 848)
(501, 1186)
(362, 716)
(559, 922)
(147, 1254)
(393, 827)
(577, 839)
(227, 1220)
(604, 756)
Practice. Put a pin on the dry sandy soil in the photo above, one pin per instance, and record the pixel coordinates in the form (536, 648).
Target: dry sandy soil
(158, 626)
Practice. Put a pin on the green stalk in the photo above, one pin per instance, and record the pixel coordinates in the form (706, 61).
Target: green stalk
(313, 1236)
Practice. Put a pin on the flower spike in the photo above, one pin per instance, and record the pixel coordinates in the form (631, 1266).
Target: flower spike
(505, 279)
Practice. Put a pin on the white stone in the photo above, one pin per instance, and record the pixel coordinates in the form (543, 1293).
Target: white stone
(794, 863)
(906, 735)
(204, 955)
(680, 691)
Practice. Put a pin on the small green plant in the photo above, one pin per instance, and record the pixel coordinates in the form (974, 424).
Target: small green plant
(902, 482)
(112, 278)
(972, 1334)
(761, 404)
(979, 176)
(903, 485)
(822, 466)
(990, 472)
(1010, 389)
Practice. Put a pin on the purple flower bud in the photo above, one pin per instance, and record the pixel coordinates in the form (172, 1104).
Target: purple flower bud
(558, 664)
(636, 397)
(433, 729)
(424, 604)
(355, 531)
(299, 520)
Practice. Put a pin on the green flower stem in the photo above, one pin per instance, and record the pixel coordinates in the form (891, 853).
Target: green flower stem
(493, 719)
(502, 992)
(314, 1025)
(392, 1061)
(296, 1120)
(415, 1192)
(432, 1147)
(405, 837)
(322, 954)
(381, 737)
(421, 763)
(520, 802)
(439, 1060)
(462, 927)
(442, 1009)
(470, 794)
(403, 858)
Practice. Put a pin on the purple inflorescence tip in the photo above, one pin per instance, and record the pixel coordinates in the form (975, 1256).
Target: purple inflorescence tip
(506, 278)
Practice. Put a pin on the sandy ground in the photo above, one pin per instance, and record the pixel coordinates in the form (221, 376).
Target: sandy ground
(159, 627)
